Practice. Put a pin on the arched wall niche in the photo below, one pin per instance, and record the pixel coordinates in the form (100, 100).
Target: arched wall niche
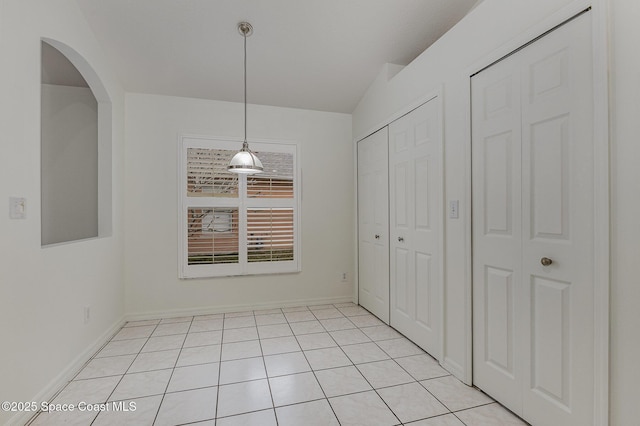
(76, 153)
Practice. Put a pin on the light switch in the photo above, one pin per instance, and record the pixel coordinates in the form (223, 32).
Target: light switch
(453, 209)
(17, 208)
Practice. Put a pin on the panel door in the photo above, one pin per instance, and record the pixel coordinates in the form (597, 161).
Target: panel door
(373, 224)
(415, 183)
(533, 197)
(497, 233)
(558, 197)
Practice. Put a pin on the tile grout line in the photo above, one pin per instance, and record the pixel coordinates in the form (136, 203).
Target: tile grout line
(377, 393)
(155, 418)
(295, 336)
(416, 381)
(125, 372)
(392, 359)
(266, 373)
(352, 363)
(73, 378)
(219, 370)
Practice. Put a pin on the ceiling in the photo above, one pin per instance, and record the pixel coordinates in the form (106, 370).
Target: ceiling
(310, 54)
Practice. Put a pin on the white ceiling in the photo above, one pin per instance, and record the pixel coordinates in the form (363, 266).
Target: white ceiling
(311, 54)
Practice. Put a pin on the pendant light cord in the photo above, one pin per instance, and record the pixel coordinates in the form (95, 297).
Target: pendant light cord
(245, 161)
(245, 88)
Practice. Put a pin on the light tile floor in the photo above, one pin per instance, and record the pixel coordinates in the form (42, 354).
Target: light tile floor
(303, 366)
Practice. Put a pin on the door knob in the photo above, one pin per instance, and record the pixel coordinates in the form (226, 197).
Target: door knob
(377, 237)
(546, 261)
(401, 239)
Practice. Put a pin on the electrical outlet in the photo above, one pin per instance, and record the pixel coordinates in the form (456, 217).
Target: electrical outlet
(343, 277)
(87, 315)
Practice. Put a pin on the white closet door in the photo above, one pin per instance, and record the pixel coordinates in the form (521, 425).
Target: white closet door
(415, 181)
(497, 232)
(533, 197)
(558, 198)
(373, 224)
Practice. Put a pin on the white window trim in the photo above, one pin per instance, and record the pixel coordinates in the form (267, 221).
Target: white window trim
(186, 271)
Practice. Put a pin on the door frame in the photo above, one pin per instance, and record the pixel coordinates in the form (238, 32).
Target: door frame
(601, 266)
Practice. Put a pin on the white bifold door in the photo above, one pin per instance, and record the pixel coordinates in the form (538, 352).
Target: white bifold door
(373, 224)
(415, 188)
(533, 234)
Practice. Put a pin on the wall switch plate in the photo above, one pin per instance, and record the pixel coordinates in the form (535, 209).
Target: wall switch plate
(343, 277)
(17, 208)
(453, 209)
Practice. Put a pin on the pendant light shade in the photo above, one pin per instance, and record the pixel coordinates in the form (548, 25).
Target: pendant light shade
(245, 161)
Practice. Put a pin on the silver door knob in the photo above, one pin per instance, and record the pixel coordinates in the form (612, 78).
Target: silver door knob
(546, 261)
(401, 239)
(377, 237)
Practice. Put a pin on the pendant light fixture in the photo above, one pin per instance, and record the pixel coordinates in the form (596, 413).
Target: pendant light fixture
(245, 161)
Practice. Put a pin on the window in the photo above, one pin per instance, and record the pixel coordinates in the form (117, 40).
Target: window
(236, 224)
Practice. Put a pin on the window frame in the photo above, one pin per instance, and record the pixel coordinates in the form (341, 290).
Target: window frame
(243, 203)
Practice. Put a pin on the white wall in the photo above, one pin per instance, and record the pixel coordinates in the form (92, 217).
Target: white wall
(625, 212)
(499, 26)
(69, 128)
(153, 125)
(43, 290)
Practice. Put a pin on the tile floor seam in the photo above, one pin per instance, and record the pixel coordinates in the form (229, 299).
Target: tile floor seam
(236, 415)
(155, 418)
(125, 372)
(462, 409)
(431, 393)
(405, 370)
(456, 411)
(105, 344)
(62, 388)
(382, 399)
(315, 376)
(266, 373)
(273, 404)
(299, 403)
(219, 370)
(415, 380)
(264, 365)
(459, 419)
(378, 394)
(474, 407)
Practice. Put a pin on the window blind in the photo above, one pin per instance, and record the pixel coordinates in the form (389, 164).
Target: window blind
(270, 235)
(277, 179)
(207, 174)
(212, 235)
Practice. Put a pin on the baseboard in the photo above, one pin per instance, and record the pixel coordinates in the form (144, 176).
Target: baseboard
(68, 373)
(171, 313)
